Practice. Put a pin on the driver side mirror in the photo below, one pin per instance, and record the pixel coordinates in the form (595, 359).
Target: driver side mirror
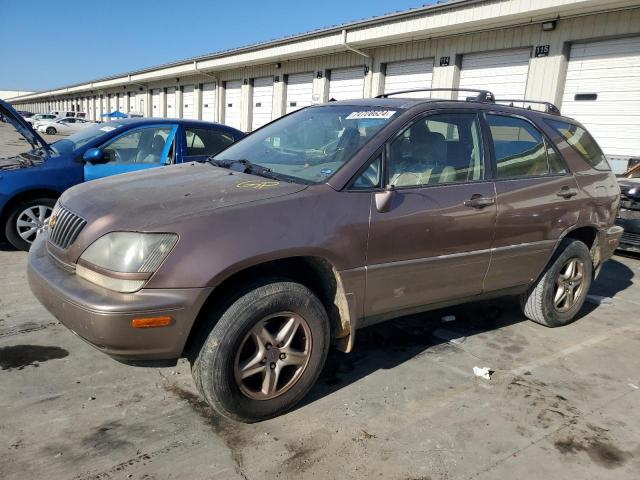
(94, 155)
(384, 199)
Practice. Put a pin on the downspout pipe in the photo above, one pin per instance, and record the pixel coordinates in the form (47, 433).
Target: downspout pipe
(349, 47)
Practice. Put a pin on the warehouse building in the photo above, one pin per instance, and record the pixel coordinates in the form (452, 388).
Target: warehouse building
(582, 55)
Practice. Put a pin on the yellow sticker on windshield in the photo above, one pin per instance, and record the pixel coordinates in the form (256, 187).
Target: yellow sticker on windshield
(258, 185)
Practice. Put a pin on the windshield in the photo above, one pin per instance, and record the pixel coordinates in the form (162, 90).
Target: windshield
(311, 144)
(84, 136)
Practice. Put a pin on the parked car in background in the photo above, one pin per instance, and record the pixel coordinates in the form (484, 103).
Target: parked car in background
(629, 214)
(324, 221)
(63, 126)
(69, 113)
(25, 114)
(31, 182)
(40, 117)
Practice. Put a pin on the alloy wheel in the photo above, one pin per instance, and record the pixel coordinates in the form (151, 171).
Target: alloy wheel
(273, 356)
(569, 285)
(32, 221)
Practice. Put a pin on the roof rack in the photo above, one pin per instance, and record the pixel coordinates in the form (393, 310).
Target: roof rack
(482, 95)
(549, 107)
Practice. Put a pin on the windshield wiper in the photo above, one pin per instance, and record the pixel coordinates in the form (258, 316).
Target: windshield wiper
(245, 166)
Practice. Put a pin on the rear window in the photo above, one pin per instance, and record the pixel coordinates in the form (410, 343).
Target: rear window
(582, 142)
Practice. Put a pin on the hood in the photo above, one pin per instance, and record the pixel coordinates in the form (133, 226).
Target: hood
(157, 197)
(23, 127)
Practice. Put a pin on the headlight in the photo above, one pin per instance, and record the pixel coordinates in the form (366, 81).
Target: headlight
(124, 261)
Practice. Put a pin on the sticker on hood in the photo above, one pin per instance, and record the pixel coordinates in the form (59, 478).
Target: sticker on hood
(378, 114)
(258, 185)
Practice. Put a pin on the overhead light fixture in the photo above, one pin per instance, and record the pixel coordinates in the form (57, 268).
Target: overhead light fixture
(549, 26)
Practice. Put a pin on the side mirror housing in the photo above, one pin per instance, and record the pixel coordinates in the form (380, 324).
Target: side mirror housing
(93, 155)
(384, 199)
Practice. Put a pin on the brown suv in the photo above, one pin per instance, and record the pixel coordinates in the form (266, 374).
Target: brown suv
(327, 220)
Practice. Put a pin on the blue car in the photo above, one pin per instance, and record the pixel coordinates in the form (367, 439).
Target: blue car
(31, 182)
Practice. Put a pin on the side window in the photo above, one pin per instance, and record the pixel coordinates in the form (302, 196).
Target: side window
(441, 148)
(144, 145)
(520, 149)
(68, 120)
(205, 142)
(370, 178)
(582, 142)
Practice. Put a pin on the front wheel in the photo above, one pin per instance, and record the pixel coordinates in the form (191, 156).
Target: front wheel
(26, 220)
(51, 131)
(264, 353)
(558, 295)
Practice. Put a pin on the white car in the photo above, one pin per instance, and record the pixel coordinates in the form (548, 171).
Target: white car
(63, 126)
(39, 117)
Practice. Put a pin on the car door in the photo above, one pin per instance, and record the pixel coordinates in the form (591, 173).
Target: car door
(431, 229)
(537, 200)
(136, 149)
(201, 143)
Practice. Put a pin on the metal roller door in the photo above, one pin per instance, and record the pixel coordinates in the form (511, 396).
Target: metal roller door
(299, 91)
(502, 72)
(209, 102)
(602, 91)
(346, 83)
(262, 102)
(171, 103)
(411, 75)
(156, 110)
(188, 108)
(233, 103)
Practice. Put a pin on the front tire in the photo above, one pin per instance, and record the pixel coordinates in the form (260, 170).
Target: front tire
(26, 220)
(558, 295)
(51, 131)
(265, 352)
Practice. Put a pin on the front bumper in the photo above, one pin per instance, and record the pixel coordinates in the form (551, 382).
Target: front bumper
(630, 221)
(103, 317)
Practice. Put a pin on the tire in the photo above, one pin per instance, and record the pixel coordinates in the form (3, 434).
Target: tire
(547, 301)
(232, 343)
(51, 131)
(17, 213)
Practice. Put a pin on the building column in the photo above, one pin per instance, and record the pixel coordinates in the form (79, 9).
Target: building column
(321, 86)
(148, 112)
(246, 92)
(179, 100)
(197, 100)
(279, 95)
(547, 75)
(446, 73)
(220, 105)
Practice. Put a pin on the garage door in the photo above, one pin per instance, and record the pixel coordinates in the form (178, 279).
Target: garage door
(411, 75)
(188, 107)
(346, 83)
(262, 102)
(171, 103)
(603, 92)
(209, 102)
(156, 108)
(233, 103)
(299, 91)
(502, 72)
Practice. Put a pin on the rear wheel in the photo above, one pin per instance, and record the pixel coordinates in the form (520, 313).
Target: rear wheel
(558, 295)
(26, 220)
(51, 131)
(264, 353)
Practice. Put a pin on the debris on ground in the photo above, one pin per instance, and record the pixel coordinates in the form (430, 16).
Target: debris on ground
(484, 372)
(449, 336)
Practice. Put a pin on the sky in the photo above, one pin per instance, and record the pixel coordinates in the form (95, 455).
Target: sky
(48, 44)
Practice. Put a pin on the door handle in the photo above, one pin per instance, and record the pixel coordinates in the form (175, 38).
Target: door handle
(566, 192)
(478, 201)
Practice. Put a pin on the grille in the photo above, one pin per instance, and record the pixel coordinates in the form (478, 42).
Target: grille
(66, 228)
(632, 238)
